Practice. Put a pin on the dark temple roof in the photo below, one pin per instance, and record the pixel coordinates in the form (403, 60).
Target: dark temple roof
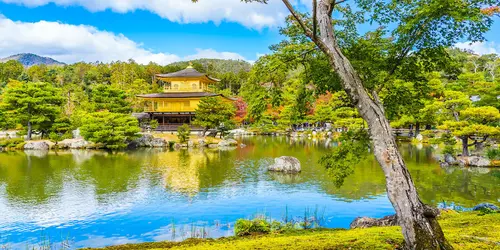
(178, 95)
(189, 72)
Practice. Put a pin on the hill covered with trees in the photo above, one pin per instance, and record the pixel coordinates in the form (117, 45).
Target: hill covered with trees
(28, 59)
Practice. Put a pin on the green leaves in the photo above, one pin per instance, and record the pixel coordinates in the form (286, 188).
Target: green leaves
(214, 112)
(112, 130)
(106, 97)
(352, 148)
(37, 103)
(183, 133)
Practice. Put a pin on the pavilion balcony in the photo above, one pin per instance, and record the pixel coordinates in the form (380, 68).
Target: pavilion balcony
(173, 108)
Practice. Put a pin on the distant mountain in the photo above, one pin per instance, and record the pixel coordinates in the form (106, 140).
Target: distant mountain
(28, 59)
(216, 65)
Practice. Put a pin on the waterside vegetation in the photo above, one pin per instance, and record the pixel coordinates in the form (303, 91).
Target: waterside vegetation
(466, 230)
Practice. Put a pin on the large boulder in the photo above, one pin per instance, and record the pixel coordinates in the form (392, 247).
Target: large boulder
(365, 222)
(483, 206)
(148, 140)
(478, 161)
(286, 164)
(228, 143)
(36, 145)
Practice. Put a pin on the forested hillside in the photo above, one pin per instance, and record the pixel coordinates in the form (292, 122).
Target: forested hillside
(28, 59)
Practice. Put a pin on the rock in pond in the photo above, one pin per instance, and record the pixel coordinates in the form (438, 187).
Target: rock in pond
(477, 161)
(485, 206)
(148, 140)
(36, 145)
(228, 143)
(365, 222)
(286, 164)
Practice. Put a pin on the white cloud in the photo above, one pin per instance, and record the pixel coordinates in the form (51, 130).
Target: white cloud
(480, 48)
(252, 15)
(73, 43)
(210, 53)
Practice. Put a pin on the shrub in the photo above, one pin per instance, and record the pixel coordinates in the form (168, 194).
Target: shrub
(493, 154)
(449, 150)
(153, 124)
(256, 226)
(113, 130)
(15, 143)
(183, 133)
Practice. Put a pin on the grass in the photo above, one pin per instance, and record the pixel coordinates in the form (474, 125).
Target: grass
(467, 230)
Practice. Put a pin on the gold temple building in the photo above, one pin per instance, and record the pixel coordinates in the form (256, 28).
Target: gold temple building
(182, 91)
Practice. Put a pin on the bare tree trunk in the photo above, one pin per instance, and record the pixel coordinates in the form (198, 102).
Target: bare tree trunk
(465, 145)
(420, 227)
(29, 135)
(30, 130)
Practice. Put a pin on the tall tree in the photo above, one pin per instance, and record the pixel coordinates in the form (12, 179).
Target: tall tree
(112, 130)
(214, 112)
(35, 105)
(418, 25)
(106, 97)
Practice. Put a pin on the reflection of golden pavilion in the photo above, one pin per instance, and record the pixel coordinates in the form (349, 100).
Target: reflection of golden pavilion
(181, 170)
(181, 95)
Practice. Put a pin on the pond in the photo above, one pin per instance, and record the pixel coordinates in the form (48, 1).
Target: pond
(95, 199)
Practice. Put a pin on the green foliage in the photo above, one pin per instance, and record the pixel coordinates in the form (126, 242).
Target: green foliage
(112, 130)
(353, 147)
(183, 133)
(35, 105)
(154, 124)
(215, 112)
(493, 153)
(251, 227)
(14, 143)
(106, 97)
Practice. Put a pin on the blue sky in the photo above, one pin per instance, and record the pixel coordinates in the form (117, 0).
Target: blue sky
(150, 30)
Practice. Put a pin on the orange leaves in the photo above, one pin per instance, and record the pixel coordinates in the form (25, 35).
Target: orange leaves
(490, 11)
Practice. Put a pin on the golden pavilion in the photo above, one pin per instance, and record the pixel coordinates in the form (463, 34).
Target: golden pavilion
(182, 91)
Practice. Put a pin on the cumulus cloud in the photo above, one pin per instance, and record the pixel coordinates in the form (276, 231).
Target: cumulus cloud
(480, 48)
(73, 43)
(210, 53)
(251, 15)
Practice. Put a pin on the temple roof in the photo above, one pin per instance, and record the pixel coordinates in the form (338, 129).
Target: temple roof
(179, 95)
(189, 72)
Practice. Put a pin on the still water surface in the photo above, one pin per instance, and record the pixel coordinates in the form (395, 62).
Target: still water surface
(94, 199)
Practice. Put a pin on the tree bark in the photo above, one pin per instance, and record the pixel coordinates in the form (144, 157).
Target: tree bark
(417, 129)
(28, 136)
(465, 145)
(420, 227)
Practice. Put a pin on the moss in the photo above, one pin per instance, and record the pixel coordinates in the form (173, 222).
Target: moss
(469, 230)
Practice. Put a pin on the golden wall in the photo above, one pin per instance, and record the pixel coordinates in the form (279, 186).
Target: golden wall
(172, 105)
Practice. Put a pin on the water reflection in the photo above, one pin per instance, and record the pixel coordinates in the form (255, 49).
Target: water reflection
(101, 198)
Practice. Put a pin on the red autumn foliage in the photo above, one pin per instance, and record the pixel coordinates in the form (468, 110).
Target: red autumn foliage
(241, 110)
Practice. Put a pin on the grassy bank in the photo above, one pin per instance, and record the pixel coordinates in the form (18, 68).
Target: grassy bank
(469, 230)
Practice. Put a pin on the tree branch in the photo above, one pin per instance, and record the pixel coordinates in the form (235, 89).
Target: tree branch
(315, 21)
(304, 27)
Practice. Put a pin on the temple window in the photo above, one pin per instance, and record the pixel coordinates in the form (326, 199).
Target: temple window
(176, 86)
(195, 86)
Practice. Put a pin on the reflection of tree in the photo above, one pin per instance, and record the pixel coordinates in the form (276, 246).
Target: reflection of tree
(35, 180)
(31, 179)
(110, 173)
